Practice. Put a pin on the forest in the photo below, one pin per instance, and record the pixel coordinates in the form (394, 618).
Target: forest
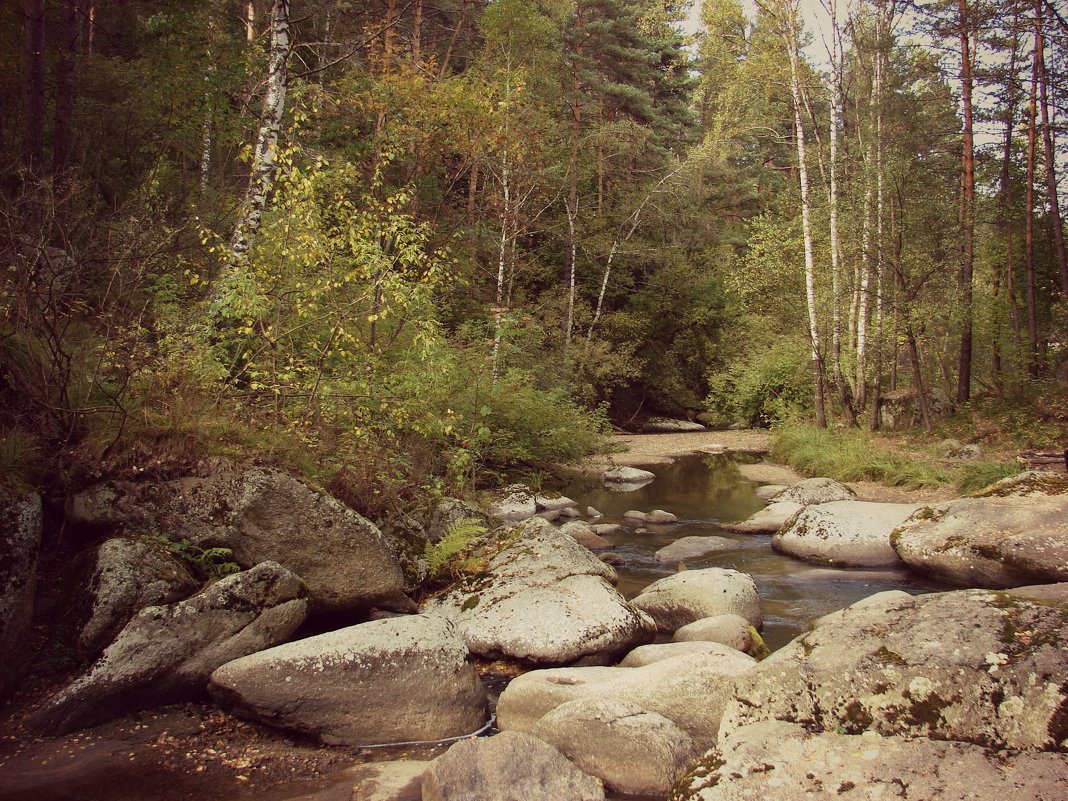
(403, 247)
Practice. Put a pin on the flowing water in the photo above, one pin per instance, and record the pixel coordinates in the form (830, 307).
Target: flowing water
(702, 491)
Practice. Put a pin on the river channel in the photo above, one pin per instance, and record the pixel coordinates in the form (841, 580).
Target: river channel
(702, 491)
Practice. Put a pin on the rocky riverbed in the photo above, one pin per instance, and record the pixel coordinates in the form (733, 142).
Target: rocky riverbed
(313, 656)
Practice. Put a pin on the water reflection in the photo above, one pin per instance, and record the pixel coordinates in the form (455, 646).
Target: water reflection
(703, 490)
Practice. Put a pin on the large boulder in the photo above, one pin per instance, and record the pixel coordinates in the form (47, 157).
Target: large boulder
(632, 750)
(543, 598)
(669, 425)
(733, 631)
(626, 479)
(126, 576)
(449, 511)
(507, 767)
(844, 533)
(167, 653)
(657, 652)
(776, 761)
(394, 680)
(1027, 485)
(990, 541)
(262, 515)
(690, 595)
(690, 690)
(20, 541)
(816, 490)
(974, 665)
(879, 599)
(584, 534)
(901, 408)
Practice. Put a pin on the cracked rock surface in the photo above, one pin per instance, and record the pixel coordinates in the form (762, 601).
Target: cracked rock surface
(777, 761)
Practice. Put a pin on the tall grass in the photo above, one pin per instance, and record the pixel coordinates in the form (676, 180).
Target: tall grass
(850, 456)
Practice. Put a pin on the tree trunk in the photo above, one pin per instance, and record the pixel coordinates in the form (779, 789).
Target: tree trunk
(33, 84)
(1029, 224)
(89, 22)
(1004, 199)
(417, 33)
(250, 20)
(806, 225)
(63, 131)
(1047, 143)
(265, 156)
(964, 372)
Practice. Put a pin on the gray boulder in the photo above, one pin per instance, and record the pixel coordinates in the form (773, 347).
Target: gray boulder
(626, 478)
(508, 767)
(668, 425)
(776, 761)
(955, 449)
(167, 653)
(990, 541)
(20, 541)
(262, 515)
(657, 652)
(127, 576)
(543, 598)
(449, 511)
(692, 548)
(766, 521)
(901, 408)
(816, 490)
(690, 595)
(1027, 485)
(396, 680)
(844, 533)
(690, 690)
(514, 503)
(632, 750)
(584, 535)
(769, 491)
(733, 631)
(974, 666)
(883, 599)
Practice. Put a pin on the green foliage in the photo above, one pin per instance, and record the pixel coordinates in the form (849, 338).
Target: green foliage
(205, 564)
(974, 476)
(849, 455)
(449, 557)
(21, 458)
(763, 386)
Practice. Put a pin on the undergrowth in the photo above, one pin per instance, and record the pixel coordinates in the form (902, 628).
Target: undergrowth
(449, 557)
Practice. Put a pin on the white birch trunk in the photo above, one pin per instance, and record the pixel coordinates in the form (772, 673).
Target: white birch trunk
(806, 219)
(265, 157)
(572, 213)
(502, 259)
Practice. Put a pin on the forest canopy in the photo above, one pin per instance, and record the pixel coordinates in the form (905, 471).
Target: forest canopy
(400, 245)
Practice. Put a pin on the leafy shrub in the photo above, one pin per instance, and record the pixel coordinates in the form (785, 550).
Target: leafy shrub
(763, 387)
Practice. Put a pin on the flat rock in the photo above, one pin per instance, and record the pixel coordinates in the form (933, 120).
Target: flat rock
(515, 503)
(607, 528)
(543, 598)
(668, 425)
(398, 780)
(166, 654)
(632, 750)
(770, 473)
(126, 576)
(1027, 484)
(690, 595)
(591, 512)
(733, 631)
(658, 652)
(844, 533)
(20, 542)
(584, 535)
(776, 761)
(262, 515)
(507, 767)
(396, 680)
(769, 491)
(559, 503)
(766, 521)
(993, 541)
(626, 478)
(974, 666)
(692, 548)
(817, 490)
(690, 690)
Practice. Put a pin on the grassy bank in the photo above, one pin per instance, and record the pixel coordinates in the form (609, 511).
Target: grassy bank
(853, 455)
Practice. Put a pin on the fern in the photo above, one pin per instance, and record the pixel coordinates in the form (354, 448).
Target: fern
(444, 556)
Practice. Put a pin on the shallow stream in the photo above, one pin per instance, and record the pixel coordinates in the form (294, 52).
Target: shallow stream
(703, 490)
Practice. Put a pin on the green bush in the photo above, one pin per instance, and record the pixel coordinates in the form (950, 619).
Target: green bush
(764, 387)
(448, 557)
